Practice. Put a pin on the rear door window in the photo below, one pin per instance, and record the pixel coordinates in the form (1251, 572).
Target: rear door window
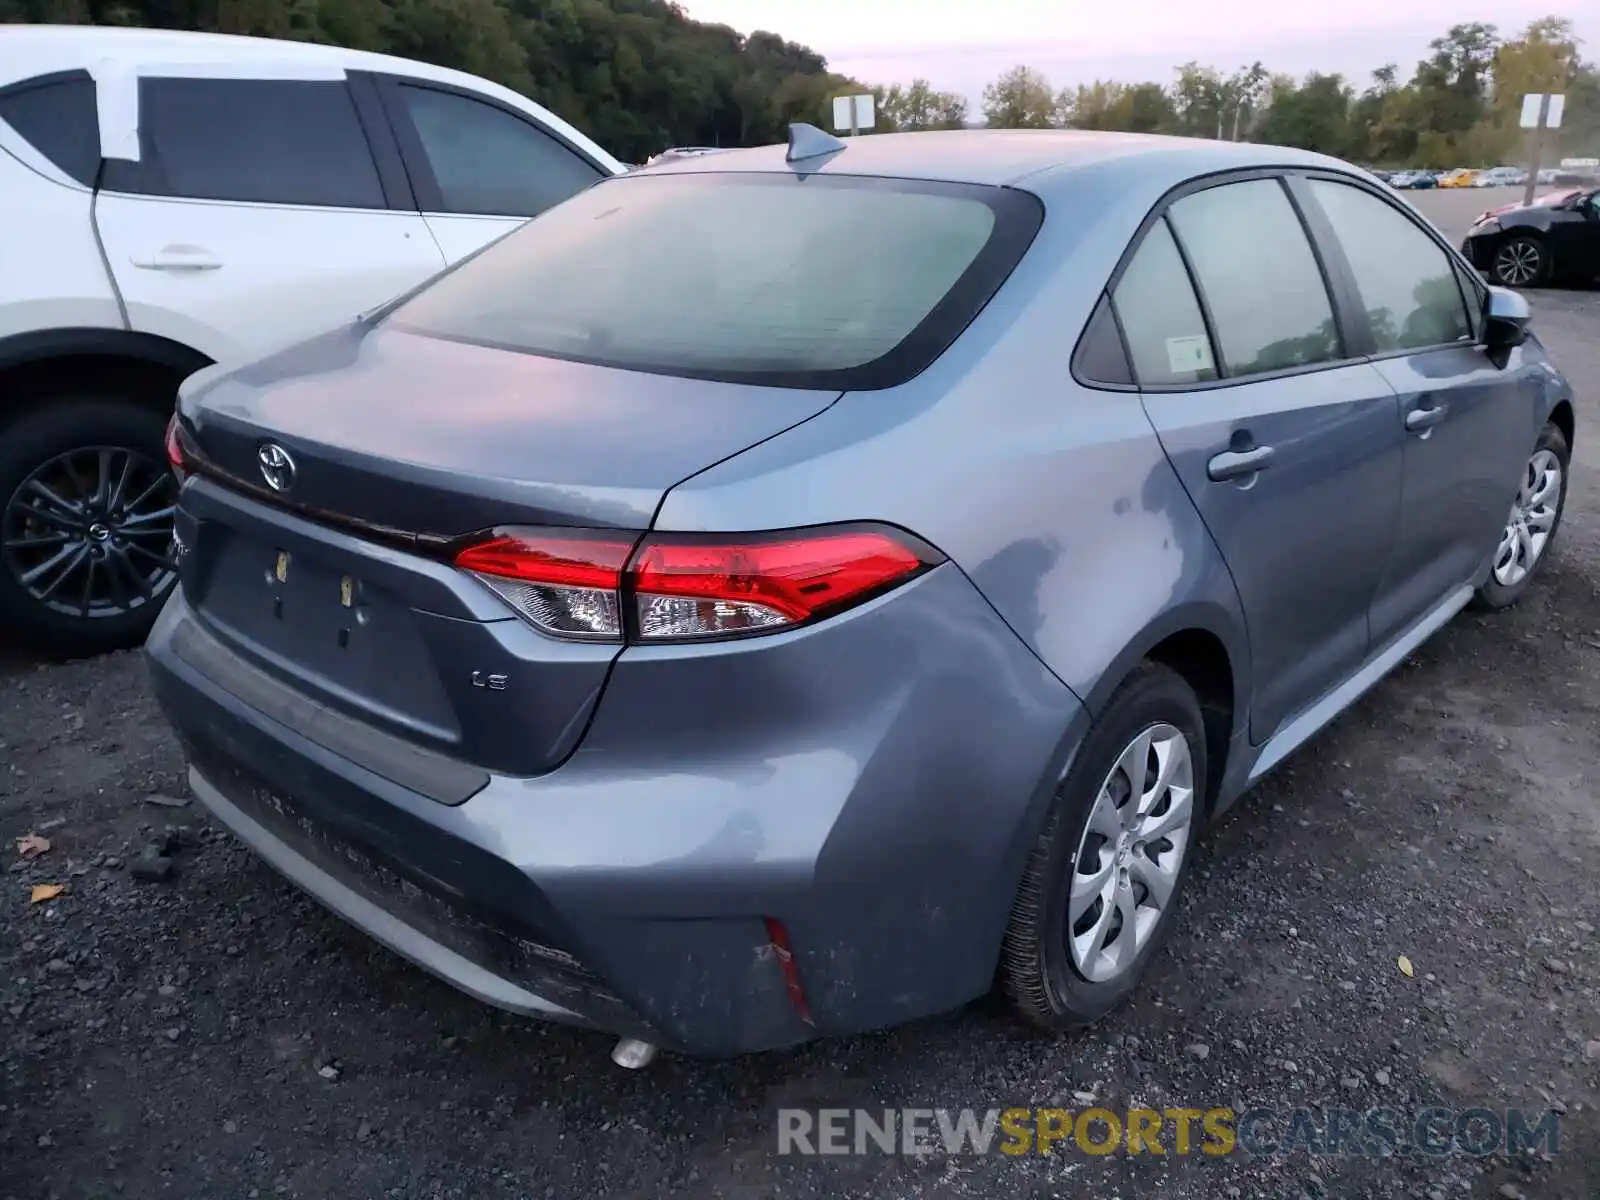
(1259, 276)
(490, 162)
(1409, 286)
(1161, 317)
(58, 118)
(264, 141)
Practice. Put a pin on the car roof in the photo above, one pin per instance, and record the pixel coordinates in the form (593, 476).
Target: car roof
(1009, 156)
(29, 51)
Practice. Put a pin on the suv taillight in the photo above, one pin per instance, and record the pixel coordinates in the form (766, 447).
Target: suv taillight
(175, 457)
(591, 585)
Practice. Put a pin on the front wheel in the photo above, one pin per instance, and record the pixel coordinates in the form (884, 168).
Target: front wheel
(1535, 516)
(86, 522)
(1098, 894)
(1520, 262)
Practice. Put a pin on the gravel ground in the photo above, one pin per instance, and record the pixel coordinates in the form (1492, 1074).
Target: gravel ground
(216, 1035)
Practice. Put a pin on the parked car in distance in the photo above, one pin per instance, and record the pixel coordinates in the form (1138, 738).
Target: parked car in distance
(1412, 180)
(1501, 177)
(856, 583)
(248, 193)
(1459, 178)
(1556, 239)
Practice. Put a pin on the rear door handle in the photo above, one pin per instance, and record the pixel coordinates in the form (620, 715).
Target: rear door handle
(1231, 464)
(1419, 420)
(179, 258)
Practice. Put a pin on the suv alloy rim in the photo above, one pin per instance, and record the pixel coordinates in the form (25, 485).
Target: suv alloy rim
(89, 533)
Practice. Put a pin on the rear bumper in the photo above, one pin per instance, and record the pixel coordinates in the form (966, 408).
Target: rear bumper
(874, 783)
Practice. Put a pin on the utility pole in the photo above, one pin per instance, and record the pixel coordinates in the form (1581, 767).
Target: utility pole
(1540, 111)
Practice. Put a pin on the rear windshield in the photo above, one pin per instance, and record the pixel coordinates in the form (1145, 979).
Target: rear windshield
(789, 280)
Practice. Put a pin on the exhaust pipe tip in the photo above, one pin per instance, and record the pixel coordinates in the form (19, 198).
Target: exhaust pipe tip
(632, 1054)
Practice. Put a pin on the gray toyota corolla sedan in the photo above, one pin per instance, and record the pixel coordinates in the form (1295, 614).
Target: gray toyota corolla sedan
(791, 591)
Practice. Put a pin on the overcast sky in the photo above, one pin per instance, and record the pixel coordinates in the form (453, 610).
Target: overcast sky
(961, 46)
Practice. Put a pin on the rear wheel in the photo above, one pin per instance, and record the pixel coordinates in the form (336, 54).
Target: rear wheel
(1535, 516)
(86, 518)
(1520, 262)
(1097, 897)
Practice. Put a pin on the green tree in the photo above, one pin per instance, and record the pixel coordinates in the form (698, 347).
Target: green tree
(1200, 100)
(1242, 93)
(1313, 115)
(1452, 85)
(1020, 99)
(1105, 104)
(918, 106)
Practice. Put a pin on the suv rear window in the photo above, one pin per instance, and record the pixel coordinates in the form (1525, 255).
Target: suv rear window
(56, 114)
(789, 280)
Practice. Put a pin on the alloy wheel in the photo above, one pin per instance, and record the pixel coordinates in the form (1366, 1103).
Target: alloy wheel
(89, 534)
(1517, 263)
(1132, 849)
(1532, 520)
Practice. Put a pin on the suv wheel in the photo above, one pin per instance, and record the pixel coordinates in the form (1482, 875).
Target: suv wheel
(1098, 894)
(86, 512)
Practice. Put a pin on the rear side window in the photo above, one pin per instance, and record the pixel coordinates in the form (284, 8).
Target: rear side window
(1101, 357)
(1156, 304)
(1408, 284)
(267, 141)
(1261, 282)
(487, 161)
(796, 281)
(58, 118)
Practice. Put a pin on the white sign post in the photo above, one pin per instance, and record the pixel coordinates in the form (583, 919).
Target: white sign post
(854, 113)
(1540, 111)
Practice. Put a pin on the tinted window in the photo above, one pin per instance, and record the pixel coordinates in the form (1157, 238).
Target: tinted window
(1160, 315)
(1260, 279)
(1408, 283)
(59, 120)
(1101, 358)
(485, 160)
(802, 281)
(263, 140)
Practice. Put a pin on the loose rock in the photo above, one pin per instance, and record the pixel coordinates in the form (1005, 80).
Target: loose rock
(152, 868)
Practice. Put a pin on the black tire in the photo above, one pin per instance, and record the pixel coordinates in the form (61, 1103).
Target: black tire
(1492, 595)
(1509, 263)
(81, 422)
(1037, 970)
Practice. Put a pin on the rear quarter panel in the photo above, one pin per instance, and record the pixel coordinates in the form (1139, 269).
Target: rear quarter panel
(1055, 499)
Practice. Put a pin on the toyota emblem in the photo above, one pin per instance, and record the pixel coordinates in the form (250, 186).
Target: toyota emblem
(277, 468)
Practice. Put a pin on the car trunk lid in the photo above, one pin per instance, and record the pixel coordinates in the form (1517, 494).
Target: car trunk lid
(338, 583)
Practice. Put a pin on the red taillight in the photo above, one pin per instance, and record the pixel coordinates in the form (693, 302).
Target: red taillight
(691, 587)
(566, 582)
(579, 583)
(175, 450)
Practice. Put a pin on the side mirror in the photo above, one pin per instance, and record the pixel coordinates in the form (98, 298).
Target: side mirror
(1505, 319)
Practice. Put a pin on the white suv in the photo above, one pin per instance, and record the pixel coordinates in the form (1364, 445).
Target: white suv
(172, 200)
